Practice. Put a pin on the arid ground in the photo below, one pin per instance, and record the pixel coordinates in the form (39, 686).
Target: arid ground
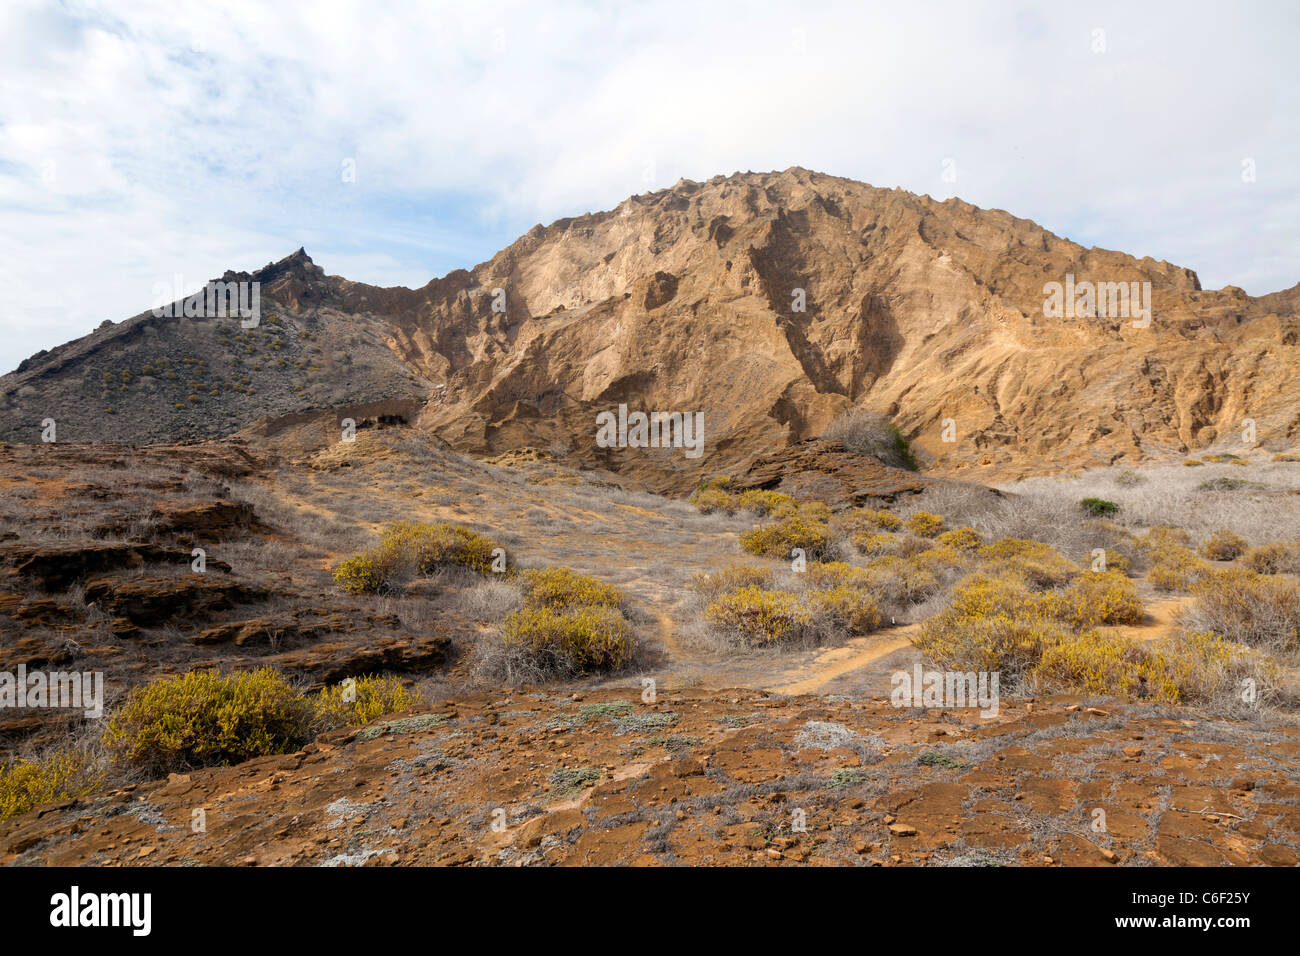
(1146, 714)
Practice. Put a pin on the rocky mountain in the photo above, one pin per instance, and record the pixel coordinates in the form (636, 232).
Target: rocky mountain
(770, 303)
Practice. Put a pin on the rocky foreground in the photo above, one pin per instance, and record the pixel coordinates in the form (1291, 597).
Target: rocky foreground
(727, 777)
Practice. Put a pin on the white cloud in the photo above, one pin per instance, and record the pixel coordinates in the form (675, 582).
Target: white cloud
(146, 138)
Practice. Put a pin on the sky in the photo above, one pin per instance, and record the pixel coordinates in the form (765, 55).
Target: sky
(149, 139)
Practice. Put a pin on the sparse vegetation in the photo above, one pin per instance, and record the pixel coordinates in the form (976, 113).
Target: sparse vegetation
(569, 640)
(778, 540)
(868, 433)
(57, 775)
(414, 547)
(923, 524)
(1245, 607)
(1279, 557)
(202, 719)
(1223, 545)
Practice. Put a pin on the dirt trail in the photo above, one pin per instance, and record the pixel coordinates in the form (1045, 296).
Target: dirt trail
(835, 662)
(862, 652)
(1159, 620)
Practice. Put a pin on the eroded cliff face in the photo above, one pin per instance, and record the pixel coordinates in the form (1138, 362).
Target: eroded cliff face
(773, 302)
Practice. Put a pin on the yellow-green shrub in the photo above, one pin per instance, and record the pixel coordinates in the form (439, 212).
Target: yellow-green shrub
(924, 523)
(431, 547)
(873, 542)
(1280, 557)
(413, 546)
(779, 539)
(867, 519)
(711, 499)
(850, 607)
(999, 642)
(1104, 597)
(940, 561)
(203, 719)
(762, 501)
(590, 638)
(1039, 564)
(730, 578)
(1223, 545)
(1249, 608)
(1103, 664)
(897, 580)
(563, 587)
(963, 539)
(834, 574)
(58, 775)
(1161, 535)
(1205, 668)
(369, 572)
(1174, 567)
(372, 698)
(760, 616)
(810, 510)
(1114, 561)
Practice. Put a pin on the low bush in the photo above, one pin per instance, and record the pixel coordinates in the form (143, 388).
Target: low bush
(1099, 507)
(1174, 567)
(204, 719)
(414, 547)
(1223, 484)
(834, 574)
(1115, 561)
(924, 524)
(869, 433)
(1008, 643)
(362, 701)
(1039, 564)
(1245, 607)
(1187, 668)
(1160, 535)
(964, 539)
(760, 616)
(1280, 557)
(57, 775)
(779, 539)
(1105, 597)
(569, 640)
(1104, 664)
(895, 580)
(1223, 545)
(432, 547)
(731, 577)
(867, 519)
(874, 543)
(557, 587)
(849, 608)
(763, 502)
(710, 499)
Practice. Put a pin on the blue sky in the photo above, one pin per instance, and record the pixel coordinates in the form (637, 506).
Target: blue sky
(143, 139)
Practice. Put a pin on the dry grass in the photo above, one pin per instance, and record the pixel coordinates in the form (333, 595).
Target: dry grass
(1174, 495)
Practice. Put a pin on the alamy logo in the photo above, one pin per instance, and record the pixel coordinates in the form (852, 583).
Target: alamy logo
(651, 430)
(946, 689)
(1107, 300)
(80, 691)
(215, 300)
(102, 909)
